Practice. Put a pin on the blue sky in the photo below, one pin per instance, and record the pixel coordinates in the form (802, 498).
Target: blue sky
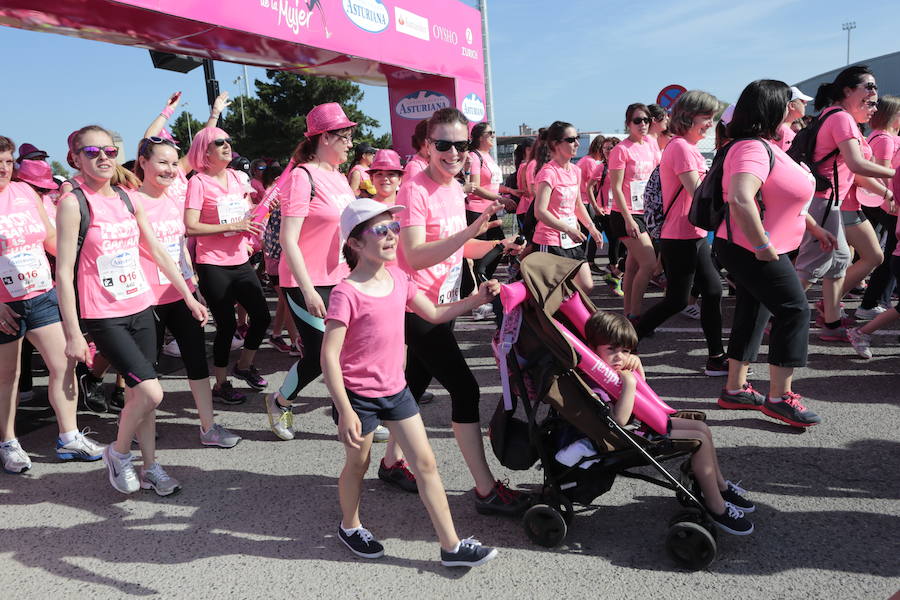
(576, 60)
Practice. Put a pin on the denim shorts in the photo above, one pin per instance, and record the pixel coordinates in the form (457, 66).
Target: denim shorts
(371, 411)
(33, 314)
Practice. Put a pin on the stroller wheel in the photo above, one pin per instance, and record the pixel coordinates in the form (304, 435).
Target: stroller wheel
(562, 505)
(544, 525)
(690, 545)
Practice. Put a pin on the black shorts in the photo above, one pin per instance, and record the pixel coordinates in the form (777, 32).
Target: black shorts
(371, 411)
(616, 229)
(576, 253)
(128, 343)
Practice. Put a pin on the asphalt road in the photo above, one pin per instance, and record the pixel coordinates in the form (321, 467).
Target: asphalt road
(259, 520)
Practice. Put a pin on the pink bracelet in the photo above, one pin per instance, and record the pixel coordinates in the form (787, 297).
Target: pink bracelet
(167, 112)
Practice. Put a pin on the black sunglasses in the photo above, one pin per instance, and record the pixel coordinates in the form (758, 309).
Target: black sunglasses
(445, 145)
(871, 87)
(571, 140)
(639, 120)
(222, 141)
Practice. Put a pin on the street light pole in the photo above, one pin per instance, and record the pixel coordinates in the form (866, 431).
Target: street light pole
(187, 118)
(848, 27)
(241, 97)
(488, 83)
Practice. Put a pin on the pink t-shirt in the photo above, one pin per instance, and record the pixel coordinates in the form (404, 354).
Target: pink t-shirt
(259, 190)
(111, 280)
(440, 209)
(320, 237)
(604, 192)
(638, 162)
(565, 183)
(491, 178)
(525, 179)
(587, 165)
(787, 137)
(415, 166)
(363, 174)
(680, 156)
(218, 205)
(786, 193)
(850, 202)
(836, 129)
(373, 355)
(166, 215)
(24, 269)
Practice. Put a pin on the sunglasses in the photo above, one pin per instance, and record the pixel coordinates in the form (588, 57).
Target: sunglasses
(490, 133)
(870, 87)
(382, 229)
(260, 167)
(872, 104)
(639, 120)
(93, 152)
(571, 140)
(222, 141)
(155, 140)
(445, 145)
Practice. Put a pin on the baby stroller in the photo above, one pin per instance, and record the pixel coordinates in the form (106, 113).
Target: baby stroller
(539, 371)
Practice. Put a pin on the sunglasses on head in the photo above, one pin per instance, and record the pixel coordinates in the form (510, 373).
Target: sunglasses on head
(222, 141)
(155, 140)
(444, 145)
(382, 229)
(93, 152)
(639, 120)
(571, 140)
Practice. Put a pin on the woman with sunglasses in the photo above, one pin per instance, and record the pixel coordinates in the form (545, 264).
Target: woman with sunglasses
(683, 248)
(433, 241)
(311, 261)
(557, 204)
(158, 167)
(600, 187)
(114, 301)
(29, 311)
(839, 148)
(630, 164)
(216, 212)
(587, 165)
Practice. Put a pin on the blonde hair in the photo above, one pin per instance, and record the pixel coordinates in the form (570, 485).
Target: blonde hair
(886, 111)
(122, 176)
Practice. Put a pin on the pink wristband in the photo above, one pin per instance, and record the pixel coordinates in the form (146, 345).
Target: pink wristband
(167, 112)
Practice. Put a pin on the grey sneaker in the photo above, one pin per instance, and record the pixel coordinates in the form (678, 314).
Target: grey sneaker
(861, 342)
(156, 478)
(381, 434)
(121, 472)
(81, 448)
(746, 399)
(469, 554)
(14, 458)
(219, 436)
(281, 418)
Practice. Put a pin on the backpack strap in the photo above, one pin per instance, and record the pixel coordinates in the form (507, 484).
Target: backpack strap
(312, 184)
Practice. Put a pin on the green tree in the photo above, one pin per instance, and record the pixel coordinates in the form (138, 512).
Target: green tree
(182, 132)
(59, 169)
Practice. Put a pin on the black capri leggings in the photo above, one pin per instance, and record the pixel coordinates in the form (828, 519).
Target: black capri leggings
(222, 287)
(434, 352)
(687, 263)
(468, 284)
(128, 343)
(309, 366)
(881, 276)
(186, 330)
(765, 289)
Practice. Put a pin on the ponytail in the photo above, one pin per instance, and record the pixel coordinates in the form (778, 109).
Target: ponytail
(832, 93)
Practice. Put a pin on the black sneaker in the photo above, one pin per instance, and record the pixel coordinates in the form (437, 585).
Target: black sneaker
(398, 474)
(90, 390)
(116, 399)
(791, 411)
(716, 366)
(502, 501)
(469, 554)
(251, 376)
(737, 496)
(426, 398)
(746, 399)
(361, 542)
(733, 520)
(226, 394)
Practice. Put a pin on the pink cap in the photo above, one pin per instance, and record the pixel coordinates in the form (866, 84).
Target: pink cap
(326, 117)
(37, 173)
(386, 160)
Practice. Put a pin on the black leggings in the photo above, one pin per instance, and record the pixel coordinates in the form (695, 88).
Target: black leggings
(687, 263)
(766, 289)
(222, 287)
(881, 276)
(186, 330)
(468, 284)
(128, 343)
(309, 367)
(434, 352)
(613, 245)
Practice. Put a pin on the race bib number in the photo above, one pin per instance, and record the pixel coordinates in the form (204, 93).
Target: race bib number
(637, 194)
(565, 240)
(176, 251)
(25, 272)
(496, 175)
(449, 291)
(121, 275)
(231, 209)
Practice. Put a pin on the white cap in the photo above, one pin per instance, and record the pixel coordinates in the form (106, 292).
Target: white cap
(796, 94)
(361, 210)
(727, 115)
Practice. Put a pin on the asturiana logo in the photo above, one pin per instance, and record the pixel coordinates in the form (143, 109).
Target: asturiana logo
(421, 105)
(369, 15)
(473, 107)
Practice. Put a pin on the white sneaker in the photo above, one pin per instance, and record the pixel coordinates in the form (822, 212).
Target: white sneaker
(158, 480)
(483, 312)
(381, 434)
(281, 419)
(867, 314)
(81, 448)
(237, 342)
(14, 459)
(861, 342)
(172, 349)
(692, 311)
(121, 472)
